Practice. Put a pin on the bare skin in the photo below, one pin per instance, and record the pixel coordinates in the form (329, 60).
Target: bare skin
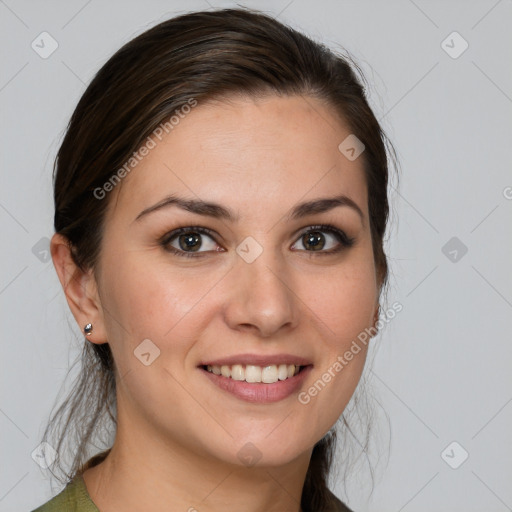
(179, 435)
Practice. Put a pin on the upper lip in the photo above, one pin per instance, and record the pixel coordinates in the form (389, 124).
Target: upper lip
(258, 360)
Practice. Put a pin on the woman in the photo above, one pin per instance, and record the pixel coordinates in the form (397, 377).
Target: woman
(220, 208)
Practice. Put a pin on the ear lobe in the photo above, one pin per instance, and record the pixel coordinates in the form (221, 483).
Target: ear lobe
(80, 289)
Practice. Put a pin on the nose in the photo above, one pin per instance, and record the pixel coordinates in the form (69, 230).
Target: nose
(262, 299)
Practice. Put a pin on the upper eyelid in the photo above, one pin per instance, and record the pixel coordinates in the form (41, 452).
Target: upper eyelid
(168, 236)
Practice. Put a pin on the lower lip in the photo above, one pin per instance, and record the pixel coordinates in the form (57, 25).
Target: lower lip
(260, 392)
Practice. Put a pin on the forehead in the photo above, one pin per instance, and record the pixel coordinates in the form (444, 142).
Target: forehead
(265, 153)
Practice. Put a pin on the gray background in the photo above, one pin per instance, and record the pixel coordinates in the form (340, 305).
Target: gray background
(442, 369)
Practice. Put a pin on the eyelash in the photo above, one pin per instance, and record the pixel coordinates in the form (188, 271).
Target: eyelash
(344, 240)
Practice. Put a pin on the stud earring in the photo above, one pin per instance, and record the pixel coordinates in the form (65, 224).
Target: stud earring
(88, 329)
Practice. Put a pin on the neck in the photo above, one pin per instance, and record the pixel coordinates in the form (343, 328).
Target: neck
(158, 476)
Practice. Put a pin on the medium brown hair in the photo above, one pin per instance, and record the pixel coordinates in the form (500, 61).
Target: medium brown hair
(204, 56)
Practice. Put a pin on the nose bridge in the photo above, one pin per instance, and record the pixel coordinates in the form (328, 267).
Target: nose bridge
(261, 296)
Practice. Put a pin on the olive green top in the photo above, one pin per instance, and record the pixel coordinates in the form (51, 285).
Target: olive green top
(75, 498)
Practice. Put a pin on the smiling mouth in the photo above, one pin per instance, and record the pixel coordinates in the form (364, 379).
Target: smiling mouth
(255, 374)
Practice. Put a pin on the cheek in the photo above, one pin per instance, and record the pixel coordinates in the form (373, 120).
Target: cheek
(147, 298)
(344, 303)
(343, 313)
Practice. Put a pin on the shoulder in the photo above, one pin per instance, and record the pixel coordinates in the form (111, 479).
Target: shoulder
(337, 505)
(73, 498)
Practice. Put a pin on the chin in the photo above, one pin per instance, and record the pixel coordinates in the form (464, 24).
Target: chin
(268, 451)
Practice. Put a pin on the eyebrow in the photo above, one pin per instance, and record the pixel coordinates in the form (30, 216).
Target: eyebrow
(220, 212)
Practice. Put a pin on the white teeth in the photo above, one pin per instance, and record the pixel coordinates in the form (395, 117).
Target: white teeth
(282, 372)
(251, 373)
(237, 372)
(269, 374)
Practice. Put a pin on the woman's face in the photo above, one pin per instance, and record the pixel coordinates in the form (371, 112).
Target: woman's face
(264, 286)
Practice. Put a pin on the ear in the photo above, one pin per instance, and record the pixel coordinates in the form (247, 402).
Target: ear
(80, 288)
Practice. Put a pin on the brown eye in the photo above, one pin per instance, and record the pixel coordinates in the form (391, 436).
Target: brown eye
(188, 241)
(314, 240)
(325, 239)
